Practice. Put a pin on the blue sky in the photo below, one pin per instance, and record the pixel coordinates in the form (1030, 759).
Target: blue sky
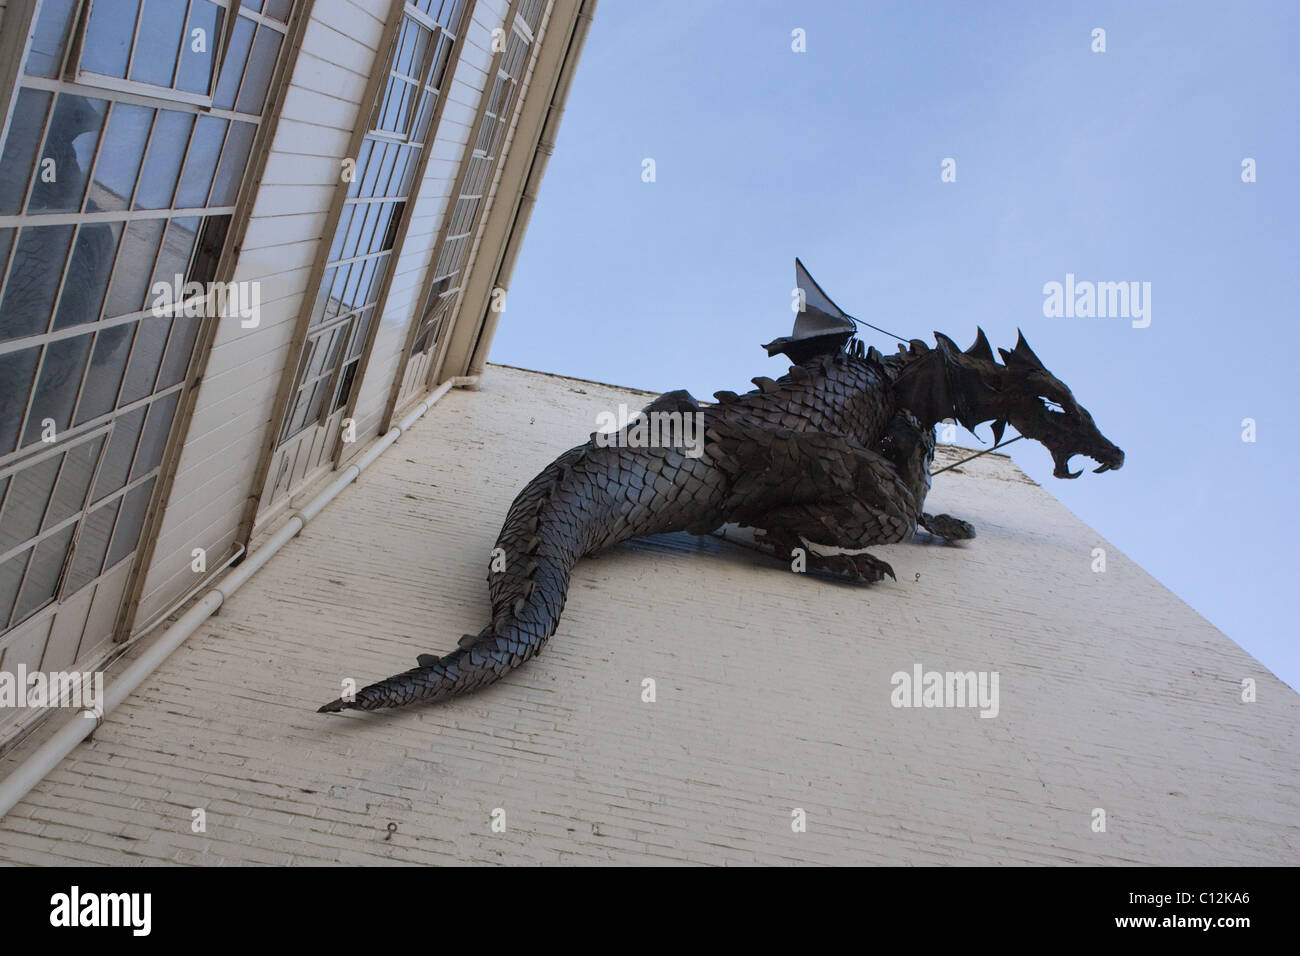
(1117, 166)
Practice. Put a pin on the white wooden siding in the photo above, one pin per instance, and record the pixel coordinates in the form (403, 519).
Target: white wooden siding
(236, 399)
(430, 206)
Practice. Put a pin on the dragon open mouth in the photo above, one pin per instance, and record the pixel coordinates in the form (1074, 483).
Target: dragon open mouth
(1108, 460)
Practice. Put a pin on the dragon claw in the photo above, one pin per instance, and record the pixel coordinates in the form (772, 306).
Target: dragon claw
(860, 567)
(946, 526)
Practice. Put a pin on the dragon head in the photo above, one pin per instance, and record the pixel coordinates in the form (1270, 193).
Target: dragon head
(1025, 394)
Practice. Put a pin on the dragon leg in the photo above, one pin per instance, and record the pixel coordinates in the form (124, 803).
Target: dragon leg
(810, 488)
(911, 450)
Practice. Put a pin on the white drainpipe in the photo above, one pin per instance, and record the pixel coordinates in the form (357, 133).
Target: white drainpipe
(51, 753)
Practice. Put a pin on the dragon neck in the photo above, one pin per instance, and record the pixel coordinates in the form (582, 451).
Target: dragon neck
(934, 388)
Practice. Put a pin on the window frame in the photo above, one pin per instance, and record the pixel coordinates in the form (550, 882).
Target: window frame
(156, 441)
(422, 88)
(74, 72)
(363, 319)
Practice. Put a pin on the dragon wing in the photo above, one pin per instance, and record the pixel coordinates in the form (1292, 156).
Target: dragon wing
(820, 328)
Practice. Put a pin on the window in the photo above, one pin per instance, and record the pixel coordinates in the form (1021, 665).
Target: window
(361, 252)
(172, 44)
(480, 164)
(105, 193)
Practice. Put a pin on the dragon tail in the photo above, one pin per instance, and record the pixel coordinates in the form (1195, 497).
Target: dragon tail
(545, 533)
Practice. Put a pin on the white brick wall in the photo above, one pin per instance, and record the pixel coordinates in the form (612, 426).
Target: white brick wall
(773, 693)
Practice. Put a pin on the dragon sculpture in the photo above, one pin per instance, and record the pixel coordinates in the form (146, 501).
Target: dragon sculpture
(836, 453)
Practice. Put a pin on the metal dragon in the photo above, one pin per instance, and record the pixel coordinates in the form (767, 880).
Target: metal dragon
(837, 453)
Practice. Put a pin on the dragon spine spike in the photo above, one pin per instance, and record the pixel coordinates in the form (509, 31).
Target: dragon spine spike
(980, 348)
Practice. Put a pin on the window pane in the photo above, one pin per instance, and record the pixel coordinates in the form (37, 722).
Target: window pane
(350, 291)
(171, 134)
(370, 222)
(439, 71)
(392, 118)
(20, 149)
(74, 481)
(421, 342)
(177, 247)
(195, 72)
(405, 105)
(146, 356)
(233, 160)
(121, 449)
(359, 336)
(318, 353)
(320, 311)
(257, 76)
(160, 38)
(127, 292)
(17, 369)
(120, 159)
(33, 280)
(364, 291)
(232, 67)
(207, 252)
(476, 181)
(453, 11)
(419, 62)
(408, 36)
(363, 158)
(179, 349)
(386, 168)
(311, 409)
(345, 386)
(107, 44)
(395, 212)
(154, 439)
(88, 272)
(356, 229)
(201, 163)
(56, 389)
(26, 502)
(11, 575)
(50, 38)
(340, 233)
(421, 131)
(69, 150)
(91, 546)
(127, 533)
(278, 9)
(337, 290)
(107, 362)
(43, 573)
